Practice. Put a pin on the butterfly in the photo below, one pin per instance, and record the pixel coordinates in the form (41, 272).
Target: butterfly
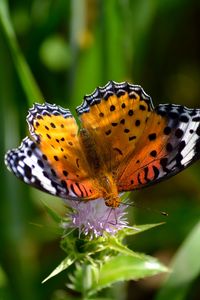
(124, 144)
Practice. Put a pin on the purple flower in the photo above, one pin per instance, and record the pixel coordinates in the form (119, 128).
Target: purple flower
(94, 218)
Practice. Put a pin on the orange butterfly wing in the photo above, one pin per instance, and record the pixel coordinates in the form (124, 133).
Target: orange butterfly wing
(140, 145)
(109, 116)
(54, 162)
(169, 145)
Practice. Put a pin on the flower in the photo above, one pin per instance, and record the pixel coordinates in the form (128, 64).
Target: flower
(94, 218)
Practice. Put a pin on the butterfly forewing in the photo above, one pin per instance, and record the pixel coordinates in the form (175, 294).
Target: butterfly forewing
(115, 116)
(53, 162)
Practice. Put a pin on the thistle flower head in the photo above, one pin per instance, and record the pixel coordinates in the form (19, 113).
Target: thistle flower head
(94, 218)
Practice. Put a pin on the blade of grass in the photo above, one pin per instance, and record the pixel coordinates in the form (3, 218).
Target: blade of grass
(28, 82)
(185, 266)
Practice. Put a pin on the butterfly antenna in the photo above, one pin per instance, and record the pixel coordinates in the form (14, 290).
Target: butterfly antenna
(163, 213)
(107, 219)
(115, 215)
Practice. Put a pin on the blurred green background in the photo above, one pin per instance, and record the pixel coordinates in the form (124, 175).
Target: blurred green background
(71, 47)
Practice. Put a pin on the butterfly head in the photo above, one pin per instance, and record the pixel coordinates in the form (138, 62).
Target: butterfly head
(112, 201)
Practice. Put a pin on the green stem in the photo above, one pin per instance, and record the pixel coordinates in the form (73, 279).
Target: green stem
(28, 82)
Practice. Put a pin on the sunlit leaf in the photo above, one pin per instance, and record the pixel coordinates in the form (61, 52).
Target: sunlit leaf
(127, 268)
(185, 268)
(68, 261)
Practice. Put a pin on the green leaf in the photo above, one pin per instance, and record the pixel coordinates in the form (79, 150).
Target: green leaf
(52, 213)
(139, 228)
(116, 245)
(185, 268)
(125, 267)
(68, 261)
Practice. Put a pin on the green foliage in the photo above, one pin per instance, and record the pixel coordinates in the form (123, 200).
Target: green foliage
(185, 268)
(88, 279)
(102, 261)
(27, 80)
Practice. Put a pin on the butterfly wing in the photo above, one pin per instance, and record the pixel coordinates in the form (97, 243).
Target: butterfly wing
(53, 161)
(170, 143)
(109, 115)
(139, 144)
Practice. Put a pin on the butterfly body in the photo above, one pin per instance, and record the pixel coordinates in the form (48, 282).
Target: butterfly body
(124, 144)
(104, 181)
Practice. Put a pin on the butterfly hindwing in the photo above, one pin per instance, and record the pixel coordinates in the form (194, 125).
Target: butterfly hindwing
(164, 149)
(27, 163)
